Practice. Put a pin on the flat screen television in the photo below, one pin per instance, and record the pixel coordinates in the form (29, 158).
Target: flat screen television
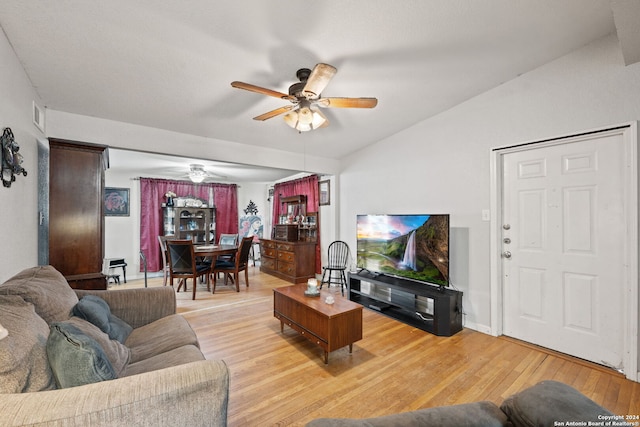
(414, 247)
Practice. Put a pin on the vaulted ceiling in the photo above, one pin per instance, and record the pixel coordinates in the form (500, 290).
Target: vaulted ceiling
(169, 64)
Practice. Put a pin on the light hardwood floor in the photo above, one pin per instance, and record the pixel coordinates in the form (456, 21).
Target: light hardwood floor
(279, 379)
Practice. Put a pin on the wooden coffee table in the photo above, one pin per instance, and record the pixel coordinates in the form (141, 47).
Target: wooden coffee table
(331, 326)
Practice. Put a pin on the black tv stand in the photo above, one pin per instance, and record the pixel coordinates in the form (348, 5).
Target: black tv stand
(378, 306)
(368, 273)
(435, 309)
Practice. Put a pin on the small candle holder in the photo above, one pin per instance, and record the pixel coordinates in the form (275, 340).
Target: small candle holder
(312, 288)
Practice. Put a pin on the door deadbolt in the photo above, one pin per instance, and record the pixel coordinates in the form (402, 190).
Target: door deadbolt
(507, 240)
(506, 226)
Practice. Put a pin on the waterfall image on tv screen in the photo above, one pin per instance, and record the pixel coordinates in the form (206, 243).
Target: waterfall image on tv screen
(411, 246)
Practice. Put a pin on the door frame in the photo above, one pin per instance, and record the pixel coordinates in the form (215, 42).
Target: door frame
(629, 132)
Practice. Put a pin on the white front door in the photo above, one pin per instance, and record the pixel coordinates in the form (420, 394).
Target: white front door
(563, 242)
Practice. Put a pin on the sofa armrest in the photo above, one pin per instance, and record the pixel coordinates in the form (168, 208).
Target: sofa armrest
(137, 307)
(194, 394)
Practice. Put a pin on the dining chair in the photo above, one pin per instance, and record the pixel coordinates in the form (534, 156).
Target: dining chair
(228, 239)
(239, 263)
(183, 264)
(338, 255)
(162, 240)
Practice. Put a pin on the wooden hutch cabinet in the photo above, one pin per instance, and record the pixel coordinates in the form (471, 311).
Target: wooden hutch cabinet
(291, 253)
(74, 242)
(195, 224)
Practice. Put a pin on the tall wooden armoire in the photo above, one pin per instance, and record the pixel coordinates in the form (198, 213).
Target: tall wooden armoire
(75, 211)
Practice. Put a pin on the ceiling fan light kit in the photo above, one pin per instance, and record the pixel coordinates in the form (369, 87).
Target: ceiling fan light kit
(197, 173)
(305, 118)
(305, 94)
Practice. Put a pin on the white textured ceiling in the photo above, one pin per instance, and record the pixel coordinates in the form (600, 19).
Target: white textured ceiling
(169, 63)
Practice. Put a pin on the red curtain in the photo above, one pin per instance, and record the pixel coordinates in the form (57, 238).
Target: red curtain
(307, 186)
(225, 199)
(152, 195)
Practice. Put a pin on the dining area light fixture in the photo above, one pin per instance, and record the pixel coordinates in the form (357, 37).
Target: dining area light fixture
(305, 118)
(197, 173)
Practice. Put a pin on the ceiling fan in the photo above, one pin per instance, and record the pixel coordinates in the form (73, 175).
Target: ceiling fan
(197, 173)
(304, 96)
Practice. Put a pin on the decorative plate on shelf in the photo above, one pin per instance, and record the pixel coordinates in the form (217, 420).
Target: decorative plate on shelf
(193, 203)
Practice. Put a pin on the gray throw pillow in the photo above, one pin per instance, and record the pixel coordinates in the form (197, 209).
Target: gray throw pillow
(23, 357)
(118, 354)
(96, 310)
(75, 358)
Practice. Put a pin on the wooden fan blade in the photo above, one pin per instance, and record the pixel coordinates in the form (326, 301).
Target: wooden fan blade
(274, 113)
(348, 102)
(318, 80)
(262, 90)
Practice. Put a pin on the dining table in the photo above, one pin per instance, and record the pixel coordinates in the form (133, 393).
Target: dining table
(213, 251)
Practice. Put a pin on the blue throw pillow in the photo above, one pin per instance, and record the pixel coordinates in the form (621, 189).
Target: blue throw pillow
(75, 358)
(96, 310)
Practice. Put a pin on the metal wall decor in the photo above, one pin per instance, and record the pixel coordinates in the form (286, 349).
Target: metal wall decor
(11, 159)
(252, 208)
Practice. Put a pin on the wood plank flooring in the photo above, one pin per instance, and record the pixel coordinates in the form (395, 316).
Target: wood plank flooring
(279, 379)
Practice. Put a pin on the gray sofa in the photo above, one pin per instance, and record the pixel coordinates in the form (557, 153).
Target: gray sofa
(548, 403)
(72, 360)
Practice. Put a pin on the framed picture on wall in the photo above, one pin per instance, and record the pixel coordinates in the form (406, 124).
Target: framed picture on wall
(116, 201)
(251, 226)
(323, 191)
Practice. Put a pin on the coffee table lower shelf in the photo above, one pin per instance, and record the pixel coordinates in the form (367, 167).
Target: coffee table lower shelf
(330, 326)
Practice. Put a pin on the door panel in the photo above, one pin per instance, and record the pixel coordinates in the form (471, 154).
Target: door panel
(583, 288)
(563, 209)
(579, 220)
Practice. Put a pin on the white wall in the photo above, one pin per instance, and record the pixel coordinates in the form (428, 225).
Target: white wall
(441, 165)
(122, 233)
(18, 204)
(329, 219)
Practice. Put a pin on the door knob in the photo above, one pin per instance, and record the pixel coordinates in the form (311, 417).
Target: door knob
(506, 254)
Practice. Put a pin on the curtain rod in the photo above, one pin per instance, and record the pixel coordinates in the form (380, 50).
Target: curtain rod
(138, 178)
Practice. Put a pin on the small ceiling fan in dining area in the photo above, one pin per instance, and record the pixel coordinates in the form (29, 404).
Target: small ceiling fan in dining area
(197, 173)
(194, 172)
(305, 96)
